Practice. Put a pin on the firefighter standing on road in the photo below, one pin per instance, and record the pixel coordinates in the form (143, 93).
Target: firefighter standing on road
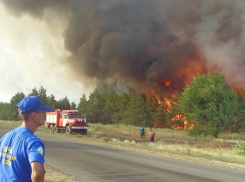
(21, 152)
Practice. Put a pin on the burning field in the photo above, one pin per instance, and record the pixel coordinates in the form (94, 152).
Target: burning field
(138, 46)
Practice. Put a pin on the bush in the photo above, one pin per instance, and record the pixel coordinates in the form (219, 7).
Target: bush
(240, 146)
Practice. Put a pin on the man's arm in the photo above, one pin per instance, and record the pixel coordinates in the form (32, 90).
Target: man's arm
(37, 174)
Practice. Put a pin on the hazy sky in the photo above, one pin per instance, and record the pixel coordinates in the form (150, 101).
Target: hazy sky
(31, 56)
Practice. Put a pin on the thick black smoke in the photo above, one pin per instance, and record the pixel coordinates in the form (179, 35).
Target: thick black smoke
(140, 45)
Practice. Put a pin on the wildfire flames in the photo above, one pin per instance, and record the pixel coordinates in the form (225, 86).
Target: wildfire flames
(179, 120)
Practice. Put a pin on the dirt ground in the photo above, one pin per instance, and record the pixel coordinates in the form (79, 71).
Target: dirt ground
(196, 144)
(54, 175)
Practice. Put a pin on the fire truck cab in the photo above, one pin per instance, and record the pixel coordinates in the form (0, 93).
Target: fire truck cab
(67, 120)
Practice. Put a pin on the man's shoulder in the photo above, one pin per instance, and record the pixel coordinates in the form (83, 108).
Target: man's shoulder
(9, 134)
(26, 134)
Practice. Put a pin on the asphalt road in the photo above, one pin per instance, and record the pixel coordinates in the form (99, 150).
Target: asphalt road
(95, 163)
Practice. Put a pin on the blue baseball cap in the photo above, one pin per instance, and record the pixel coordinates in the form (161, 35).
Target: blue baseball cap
(31, 104)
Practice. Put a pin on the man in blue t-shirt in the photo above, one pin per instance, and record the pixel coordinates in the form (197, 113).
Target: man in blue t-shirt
(21, 152)
(142, 132)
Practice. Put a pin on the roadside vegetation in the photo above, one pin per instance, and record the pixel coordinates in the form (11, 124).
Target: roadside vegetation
(168, 142)
(54, 175)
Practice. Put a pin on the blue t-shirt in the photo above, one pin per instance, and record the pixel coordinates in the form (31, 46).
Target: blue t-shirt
(18, 149)
(142, 129)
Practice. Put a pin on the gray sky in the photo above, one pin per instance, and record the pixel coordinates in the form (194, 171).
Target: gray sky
(32, 56)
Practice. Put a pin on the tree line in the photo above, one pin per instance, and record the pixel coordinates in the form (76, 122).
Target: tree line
(207, 106)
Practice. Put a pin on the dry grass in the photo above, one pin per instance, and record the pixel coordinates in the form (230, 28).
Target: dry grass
(173, 142)
(54, 175)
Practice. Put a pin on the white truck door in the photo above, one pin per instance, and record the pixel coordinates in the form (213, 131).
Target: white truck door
(64, 120)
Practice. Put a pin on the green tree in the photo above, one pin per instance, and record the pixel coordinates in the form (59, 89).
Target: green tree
(95, 107)
(34, 92)
(136, 112)
(63, 103)
(5, 111)
(111, 106)
(209, 103)
(17, 98)
(82, 105)
(42, 95)
(73, 105)
(152, 118)
(238, 122)
(12, 113)
(122, 103)
(159, 117)
(52, 102)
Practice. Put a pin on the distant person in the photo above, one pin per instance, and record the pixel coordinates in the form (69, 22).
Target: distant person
(152, 135)
(21, 152)
(142, 132)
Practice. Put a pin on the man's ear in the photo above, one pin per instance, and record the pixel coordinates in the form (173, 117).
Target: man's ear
(32, 115)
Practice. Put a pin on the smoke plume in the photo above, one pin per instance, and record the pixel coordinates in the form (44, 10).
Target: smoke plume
(141, 45)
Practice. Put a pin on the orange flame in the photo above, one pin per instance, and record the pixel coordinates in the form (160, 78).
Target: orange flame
(154, 93)
(166, 81)
(178, 117)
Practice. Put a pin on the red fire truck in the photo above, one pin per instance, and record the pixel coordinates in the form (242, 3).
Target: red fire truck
(68, 120)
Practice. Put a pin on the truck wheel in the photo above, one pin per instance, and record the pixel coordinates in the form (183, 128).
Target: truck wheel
(68, 130)
(51, 128)
(56, 129)
(84, 132)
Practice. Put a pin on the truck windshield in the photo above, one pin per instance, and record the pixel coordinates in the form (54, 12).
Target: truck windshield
(74, 116)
